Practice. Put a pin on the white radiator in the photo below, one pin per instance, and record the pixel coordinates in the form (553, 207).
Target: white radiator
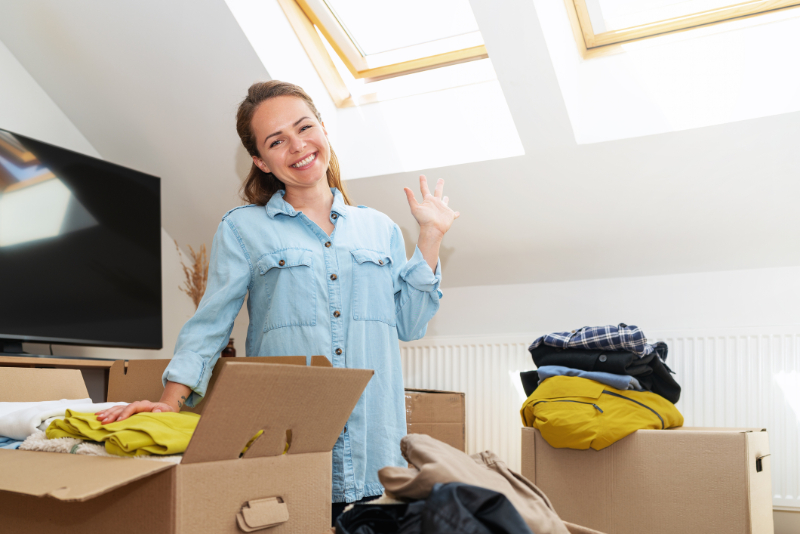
(743, 377)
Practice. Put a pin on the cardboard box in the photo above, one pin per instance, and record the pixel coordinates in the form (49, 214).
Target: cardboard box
(213, 490)
(440, 414)
(682, 480)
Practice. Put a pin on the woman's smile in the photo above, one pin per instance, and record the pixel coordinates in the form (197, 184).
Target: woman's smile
(306, 162)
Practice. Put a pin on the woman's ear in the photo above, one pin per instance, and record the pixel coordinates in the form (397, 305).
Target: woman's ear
(258, 162)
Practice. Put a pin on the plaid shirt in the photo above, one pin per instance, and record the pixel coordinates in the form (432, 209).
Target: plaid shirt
(620, 337)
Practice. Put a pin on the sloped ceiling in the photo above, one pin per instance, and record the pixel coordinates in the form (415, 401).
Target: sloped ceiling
(154, 86)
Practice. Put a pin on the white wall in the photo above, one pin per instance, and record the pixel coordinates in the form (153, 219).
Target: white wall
(758, 297)
(26, 108)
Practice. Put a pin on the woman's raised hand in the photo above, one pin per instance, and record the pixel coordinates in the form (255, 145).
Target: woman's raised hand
(432, 213)
(120, 413)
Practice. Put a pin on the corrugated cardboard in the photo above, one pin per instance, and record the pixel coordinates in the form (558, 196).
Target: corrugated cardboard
(440, 414)
(36, 385)
(659, 481)
(305, 407)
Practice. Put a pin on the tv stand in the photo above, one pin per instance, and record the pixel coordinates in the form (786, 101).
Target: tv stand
(11, 348)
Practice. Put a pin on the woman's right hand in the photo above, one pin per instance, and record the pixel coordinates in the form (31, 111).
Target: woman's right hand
(120, 413)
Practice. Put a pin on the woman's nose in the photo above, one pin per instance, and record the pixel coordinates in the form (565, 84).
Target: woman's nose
(296, 144)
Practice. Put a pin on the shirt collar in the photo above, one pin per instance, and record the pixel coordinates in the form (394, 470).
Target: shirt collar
(338, 203)
(277, 205)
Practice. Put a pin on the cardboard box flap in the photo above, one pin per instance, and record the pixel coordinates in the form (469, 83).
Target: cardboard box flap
(134, 380)
(70, 477)
(36, 385)
(304, 408)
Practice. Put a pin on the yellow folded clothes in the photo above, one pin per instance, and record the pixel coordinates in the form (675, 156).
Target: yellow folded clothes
(141, 434)
(578, 413)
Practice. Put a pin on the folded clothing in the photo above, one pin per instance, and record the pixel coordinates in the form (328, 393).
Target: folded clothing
(433, 462)
(651, 371)
(449, 508)
(9, 443)
(624, 382)
(140, 434)
(18, 420)
(38, 442)
(620, 337)
(577, 413)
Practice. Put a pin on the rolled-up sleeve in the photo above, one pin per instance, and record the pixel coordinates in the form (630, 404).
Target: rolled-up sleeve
(204, 336)
(416, 289)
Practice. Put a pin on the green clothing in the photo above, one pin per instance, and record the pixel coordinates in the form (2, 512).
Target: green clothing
(141, 434)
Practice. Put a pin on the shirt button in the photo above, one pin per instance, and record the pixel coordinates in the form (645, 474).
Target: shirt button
(281, 263)
(380, 262)
(334, 277)
(334, 215)
(336, 313)
(328, 244)
(338, 351)
(603, 357)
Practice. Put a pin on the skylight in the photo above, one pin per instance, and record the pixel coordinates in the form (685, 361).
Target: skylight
(607, 22)
(383, 26)
(354, 43)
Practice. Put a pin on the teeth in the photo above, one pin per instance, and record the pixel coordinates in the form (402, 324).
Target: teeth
(304, 162)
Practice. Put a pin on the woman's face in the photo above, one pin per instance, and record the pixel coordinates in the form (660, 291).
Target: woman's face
(292, 143)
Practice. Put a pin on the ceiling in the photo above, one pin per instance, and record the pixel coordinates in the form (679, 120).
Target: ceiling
(154, 86)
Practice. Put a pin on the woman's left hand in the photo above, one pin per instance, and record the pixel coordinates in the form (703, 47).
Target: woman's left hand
(432, 213)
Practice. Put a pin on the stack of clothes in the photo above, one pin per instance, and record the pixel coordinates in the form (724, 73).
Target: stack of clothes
(71, 426)
(444, 491)
(596, 385)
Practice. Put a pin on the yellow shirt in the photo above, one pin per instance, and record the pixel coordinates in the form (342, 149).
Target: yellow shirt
(141, 434)
(578, 413)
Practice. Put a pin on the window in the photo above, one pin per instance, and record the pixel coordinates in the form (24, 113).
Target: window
(358, 46)
(600, 24)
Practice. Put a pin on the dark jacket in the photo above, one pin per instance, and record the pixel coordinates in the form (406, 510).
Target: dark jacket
(450, 508)
(651, 371)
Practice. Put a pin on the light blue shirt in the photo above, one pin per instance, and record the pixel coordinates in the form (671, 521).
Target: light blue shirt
(349, 296)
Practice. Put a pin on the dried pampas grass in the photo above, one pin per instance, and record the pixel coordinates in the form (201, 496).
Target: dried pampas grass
(196, 275)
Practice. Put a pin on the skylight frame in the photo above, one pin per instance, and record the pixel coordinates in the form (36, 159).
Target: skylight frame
(597, 44)
(306, 16)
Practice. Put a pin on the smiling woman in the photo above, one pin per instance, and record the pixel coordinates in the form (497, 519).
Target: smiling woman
(280, 100)
(320, 277)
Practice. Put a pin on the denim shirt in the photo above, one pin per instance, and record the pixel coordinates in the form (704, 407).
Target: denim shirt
(349, 296)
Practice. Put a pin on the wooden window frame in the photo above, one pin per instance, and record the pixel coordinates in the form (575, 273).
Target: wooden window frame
(304, 15)
(592, 44)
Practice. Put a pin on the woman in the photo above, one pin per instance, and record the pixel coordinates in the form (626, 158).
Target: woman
(323, 277)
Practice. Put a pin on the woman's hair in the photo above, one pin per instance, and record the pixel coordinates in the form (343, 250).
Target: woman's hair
(259, 186)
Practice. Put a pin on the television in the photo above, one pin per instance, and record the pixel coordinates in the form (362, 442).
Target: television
(80, 249)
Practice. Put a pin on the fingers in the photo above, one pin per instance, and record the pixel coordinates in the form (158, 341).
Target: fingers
(120, 413)
(423, 186)
(410, 196)
(439, 188)
(445, 200)
(109, 414)
(457, 215)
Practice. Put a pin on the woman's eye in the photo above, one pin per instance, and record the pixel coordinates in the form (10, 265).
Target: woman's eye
(304, 128)
(274, 143)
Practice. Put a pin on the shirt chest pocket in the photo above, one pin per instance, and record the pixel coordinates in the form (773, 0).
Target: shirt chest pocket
(373, 287)
(289, 280)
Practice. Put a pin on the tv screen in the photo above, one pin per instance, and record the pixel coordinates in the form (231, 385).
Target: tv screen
(80, 249)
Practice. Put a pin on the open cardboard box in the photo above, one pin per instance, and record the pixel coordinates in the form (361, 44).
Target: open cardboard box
(680, 480)
(213, 489)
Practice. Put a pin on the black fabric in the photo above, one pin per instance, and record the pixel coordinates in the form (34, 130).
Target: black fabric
(338, 507)
(450, 508)
(530, 381)
(651, 371)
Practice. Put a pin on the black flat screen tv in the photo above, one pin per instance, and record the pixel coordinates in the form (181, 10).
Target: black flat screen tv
(80, 249)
